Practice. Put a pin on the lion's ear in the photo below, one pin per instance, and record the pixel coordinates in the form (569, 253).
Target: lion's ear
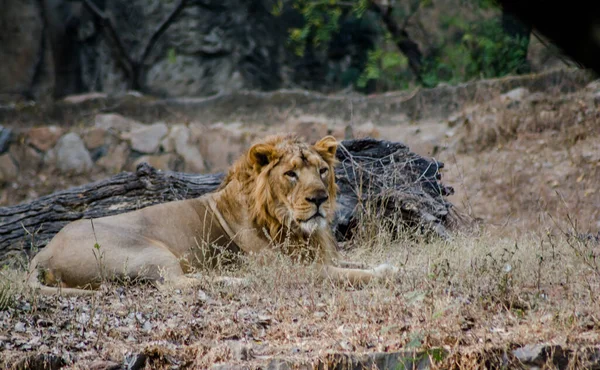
(327, 147)
(261, 155)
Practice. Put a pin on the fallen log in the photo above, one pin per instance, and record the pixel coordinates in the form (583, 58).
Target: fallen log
(372, 174)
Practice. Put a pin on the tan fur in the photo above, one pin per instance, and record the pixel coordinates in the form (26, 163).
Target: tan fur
(280, 194)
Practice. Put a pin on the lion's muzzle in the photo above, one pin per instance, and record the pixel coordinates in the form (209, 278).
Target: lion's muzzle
(318, 198)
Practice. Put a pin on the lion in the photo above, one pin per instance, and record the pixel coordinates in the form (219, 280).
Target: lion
(281, 194)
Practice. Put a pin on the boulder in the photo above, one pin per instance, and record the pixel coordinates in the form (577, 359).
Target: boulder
(71, 155)
(115, 121)
(45, 137)
(221, 144)
(23, 49)
(8, 169)
(26, 157)
(188, 149)
(147, 139)
(116, 158)
(94, 137)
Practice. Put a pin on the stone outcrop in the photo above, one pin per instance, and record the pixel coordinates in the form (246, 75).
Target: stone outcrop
(24, 51)
(55, 48)
(72, 155)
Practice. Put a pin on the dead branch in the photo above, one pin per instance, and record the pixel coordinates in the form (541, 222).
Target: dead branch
(161, 29)
(133, 66)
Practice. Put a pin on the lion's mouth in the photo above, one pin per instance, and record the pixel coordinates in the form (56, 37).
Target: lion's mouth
(315, 222)
(315, 216)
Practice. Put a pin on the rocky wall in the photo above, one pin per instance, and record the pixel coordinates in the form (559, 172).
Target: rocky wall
(111, 143)
(54, 48)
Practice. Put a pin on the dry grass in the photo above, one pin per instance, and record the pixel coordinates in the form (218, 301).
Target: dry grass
(530, 164)
(474, 296)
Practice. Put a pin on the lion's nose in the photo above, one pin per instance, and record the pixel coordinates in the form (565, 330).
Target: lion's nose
(318, 198)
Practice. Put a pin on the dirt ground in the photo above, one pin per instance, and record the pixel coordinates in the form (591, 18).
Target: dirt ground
(525, 167)
(528, 165)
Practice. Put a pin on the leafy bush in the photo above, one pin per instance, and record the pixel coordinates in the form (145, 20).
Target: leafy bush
(473, 43)
(483, 51)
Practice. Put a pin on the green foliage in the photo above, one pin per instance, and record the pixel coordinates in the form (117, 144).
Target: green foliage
(381, 63)
(171, 56)
(385, 63)
(322, 19)
(483, 51)
(468, 48)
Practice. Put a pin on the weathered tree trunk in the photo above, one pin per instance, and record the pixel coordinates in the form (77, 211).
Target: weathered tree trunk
(403, 186)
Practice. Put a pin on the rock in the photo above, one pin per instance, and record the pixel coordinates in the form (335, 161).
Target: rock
(186, 76)
(5, 134)
(309, 127)
(168, 161)
(515, 94)
(22, 29)
(167, 145)
(135, 361)
(116, 158)
(94, 137)
(593, 86)
(147, 327)
(240, 351)
(226, 46)
(539, 354)
(80, 98)
(26, 157)
(116, 121)
(71, 155)
(20, 327)
(148, 139)
(8, 169)
(45, 137)
(185, 147)
(220, 144)
(49, 159)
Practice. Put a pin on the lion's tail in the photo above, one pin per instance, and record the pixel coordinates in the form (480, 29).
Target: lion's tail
(33, 282)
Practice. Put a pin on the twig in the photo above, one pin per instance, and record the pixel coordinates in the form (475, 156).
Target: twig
(161, 29)
(131, 65)
(111, 30)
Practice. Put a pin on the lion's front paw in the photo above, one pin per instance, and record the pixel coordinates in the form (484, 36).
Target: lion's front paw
(385, 270)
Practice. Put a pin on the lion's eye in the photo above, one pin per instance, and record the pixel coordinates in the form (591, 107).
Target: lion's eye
(291, 174)
(323, 170)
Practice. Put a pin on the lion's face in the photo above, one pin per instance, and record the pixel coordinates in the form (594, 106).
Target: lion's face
(296, 182)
